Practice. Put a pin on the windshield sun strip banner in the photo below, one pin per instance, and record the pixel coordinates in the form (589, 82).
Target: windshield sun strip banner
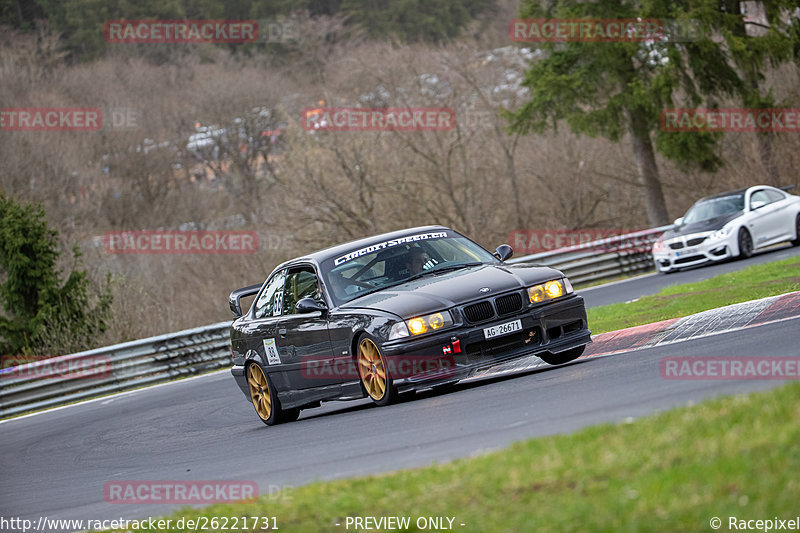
(388, 244)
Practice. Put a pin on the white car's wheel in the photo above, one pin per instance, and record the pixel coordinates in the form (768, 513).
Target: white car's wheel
(745, 243)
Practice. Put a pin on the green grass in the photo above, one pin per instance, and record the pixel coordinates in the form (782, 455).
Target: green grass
(757, 281)
(733, 456)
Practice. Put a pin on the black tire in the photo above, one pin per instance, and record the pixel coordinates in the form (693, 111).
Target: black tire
(373, 372)
(265, 398)
(745, 241)
(562, 357)
(796, 241)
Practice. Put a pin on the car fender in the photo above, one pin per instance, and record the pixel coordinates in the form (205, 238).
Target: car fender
(253, 355)
(742, 222)
(375, 326)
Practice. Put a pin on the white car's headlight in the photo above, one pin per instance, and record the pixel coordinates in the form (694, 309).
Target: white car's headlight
(721, 233)
(659, 245)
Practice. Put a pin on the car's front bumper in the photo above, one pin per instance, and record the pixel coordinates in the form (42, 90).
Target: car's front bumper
(461, 352)
(708, 251)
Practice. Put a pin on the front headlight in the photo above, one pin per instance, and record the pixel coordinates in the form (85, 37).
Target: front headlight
(420, 325)
(549, 290)
(659, 246)
(721, 233)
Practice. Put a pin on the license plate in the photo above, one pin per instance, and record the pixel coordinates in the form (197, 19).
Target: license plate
(688, 251)
(502, 329)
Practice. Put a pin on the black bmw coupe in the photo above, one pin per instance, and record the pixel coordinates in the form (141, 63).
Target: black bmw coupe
(419, 308)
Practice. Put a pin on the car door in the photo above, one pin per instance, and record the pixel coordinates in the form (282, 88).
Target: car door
(304, 344)
(784, 215)
(267, 311)
(764, 222)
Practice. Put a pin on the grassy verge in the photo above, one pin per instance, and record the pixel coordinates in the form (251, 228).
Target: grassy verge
(734, 456)
(757, 281)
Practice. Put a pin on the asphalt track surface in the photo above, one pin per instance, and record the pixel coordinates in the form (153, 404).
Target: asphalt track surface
(652, 283)
(56, 463)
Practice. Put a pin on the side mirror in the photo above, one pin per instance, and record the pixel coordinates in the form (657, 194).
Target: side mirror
(678, 221)
(504, 252)
(234, 300)
(309, 305)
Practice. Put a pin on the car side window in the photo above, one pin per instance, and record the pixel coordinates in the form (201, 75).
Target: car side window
(270, 302)
(759, 199)
(774, 196)
(300, 283)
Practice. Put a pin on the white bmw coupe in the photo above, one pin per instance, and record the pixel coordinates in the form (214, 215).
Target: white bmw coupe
(729, 224)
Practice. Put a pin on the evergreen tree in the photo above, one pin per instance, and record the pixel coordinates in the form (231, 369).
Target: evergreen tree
(37, 308)
(618, 88)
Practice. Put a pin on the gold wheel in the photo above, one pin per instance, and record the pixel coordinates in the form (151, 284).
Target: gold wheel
(372, 369)
(259, 391)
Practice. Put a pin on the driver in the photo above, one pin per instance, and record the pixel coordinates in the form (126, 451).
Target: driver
(416, 259)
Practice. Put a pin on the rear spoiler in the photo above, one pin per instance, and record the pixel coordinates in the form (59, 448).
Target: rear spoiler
(786, 188)
(234, 300)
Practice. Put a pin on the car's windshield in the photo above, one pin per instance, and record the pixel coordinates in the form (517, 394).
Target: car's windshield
(714, 207)
(392, 262)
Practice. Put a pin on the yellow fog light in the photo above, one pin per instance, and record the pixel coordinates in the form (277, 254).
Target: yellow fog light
(553, 289)
(436, 320)
(536, 294)
(417, 326)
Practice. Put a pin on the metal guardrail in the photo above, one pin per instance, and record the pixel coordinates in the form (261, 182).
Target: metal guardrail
(60, 380)
(65, 379)
(603, 259)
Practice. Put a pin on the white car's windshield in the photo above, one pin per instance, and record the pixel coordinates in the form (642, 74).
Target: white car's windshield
(714, 207)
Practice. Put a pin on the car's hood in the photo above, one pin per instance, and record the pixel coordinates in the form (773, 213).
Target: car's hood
(440, 291)
(712, 224)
